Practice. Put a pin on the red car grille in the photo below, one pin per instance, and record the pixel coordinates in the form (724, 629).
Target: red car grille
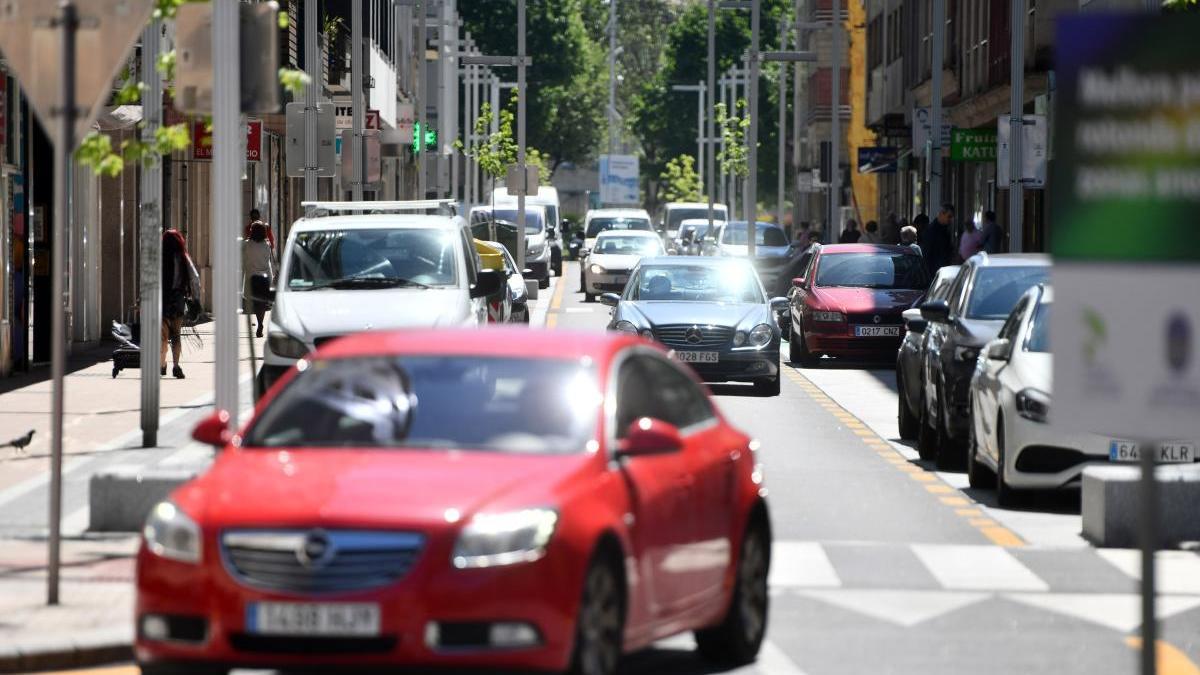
(318, 561)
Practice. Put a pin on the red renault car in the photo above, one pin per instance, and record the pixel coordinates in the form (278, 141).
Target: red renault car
(532, 501)
(848, 300)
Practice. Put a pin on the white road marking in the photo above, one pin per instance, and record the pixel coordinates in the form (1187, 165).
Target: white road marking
(903, 608)
(15, 492)
(1119, 611)
(1175, 571)
(76, 522)
(801, 564)
(972, 568)
(580, 310)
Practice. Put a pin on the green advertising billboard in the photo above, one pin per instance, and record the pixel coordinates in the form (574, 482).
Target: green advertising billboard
(973, 145)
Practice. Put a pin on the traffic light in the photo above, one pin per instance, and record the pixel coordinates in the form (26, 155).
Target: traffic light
(431, 138)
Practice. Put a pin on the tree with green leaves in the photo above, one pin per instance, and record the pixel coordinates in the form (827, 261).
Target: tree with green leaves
(733, 157)
(496, 151)
(680, 182)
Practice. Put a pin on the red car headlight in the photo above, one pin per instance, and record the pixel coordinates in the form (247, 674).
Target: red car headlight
(497, 539)
(829, 317)
(170, 533)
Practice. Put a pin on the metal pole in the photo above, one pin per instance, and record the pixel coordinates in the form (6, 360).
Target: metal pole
(612, 77)
(58, 351)
(835, 123)
(700, 132)
(357, 173)
(781, 169)
(422, 88)
(1148, 526)
(751, 196)
(522, 94)
(935, 106)
(711, 157)
(1016, 136)
(150, 227)
(312, 67)
(226, 203)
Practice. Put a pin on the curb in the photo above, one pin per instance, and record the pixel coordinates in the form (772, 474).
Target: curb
(75, 652)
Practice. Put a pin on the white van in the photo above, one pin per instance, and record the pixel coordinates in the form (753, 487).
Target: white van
(547, 196)
(347, 271)
(675, 213)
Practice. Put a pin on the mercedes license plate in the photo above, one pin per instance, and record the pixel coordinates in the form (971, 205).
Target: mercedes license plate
(1168, 453)
(345, 619)
(877, 331)
(697, 357)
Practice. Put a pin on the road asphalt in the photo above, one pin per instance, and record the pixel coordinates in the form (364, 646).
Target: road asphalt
(883, 565)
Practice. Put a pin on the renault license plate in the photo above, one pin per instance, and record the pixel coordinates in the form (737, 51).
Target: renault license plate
(1168, 453)
(697, 357)
(877, 331)
(344, 619)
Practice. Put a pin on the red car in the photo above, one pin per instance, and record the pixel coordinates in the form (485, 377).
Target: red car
(848, 299)
(534, 500)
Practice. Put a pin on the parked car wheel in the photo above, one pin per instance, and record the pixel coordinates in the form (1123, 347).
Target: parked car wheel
(767, 387)
(978, 475)
(739, 636)
(909, 424)
(798, 352)
(600, 627)
(949, 454)
(1005, 495)
(927, 441)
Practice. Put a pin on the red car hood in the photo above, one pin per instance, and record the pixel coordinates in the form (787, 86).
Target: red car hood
(369, 488)
(862, 300)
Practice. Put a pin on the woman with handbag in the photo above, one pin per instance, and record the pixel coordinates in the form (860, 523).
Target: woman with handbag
(180, 283)
(259, 268)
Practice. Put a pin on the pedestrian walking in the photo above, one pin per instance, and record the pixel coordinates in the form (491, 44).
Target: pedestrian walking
(935, 240)
(991, 235)
(871, 233)
(970, 242)
(908, 237)
(180, 283)
(850, 235)
(256, 217)
(259, 269)
(889, 233)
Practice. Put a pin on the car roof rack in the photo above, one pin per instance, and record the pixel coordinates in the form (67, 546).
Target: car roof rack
(322, 209)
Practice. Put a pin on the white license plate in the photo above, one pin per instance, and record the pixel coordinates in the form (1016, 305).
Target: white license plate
(347, 619)
(697, 357)
(877, 331)
(1168, 453)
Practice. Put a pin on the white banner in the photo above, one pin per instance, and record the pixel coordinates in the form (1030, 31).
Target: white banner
(619, 179)
(921, 124)
(1033, 151)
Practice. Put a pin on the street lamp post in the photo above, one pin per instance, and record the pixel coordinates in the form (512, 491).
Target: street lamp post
(699, 89)
(711, 157)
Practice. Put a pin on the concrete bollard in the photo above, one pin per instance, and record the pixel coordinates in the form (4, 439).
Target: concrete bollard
(1111, 499)
(121, 498)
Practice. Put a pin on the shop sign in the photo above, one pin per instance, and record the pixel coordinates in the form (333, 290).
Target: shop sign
(973, 145)
(202, 140)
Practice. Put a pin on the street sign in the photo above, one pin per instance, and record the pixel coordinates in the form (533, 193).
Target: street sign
(345, 117)
(405, 119)
(619, 179)
(294, 153)
(878, 160)
(1033, 152)
(202, 140)
(920, 131)
(512, 180)
(1126, 321)
(973, 145)
(31, 40)
(805, 181)
(372, 143)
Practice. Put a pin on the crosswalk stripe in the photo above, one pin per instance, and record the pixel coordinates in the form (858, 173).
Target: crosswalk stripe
(977, 568)
(1175, 571)
(801, 564)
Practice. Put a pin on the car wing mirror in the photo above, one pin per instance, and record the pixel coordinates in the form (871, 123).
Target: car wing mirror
(999, 350)
(610, 299)
(913, 320)
(214, 430)
(648, 436)
(798, 282)
(488, 282)
(936, 310)
(779, 304)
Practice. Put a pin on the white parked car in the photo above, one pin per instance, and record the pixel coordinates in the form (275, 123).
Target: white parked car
(388, 269)
(613, 257)
(1012, 444)
(674, 213)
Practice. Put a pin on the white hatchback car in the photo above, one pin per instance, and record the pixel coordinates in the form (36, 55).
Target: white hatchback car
(347, 271)
(613, 257)
(1011, 443)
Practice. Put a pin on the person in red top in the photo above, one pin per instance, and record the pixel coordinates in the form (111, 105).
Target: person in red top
(256, 217)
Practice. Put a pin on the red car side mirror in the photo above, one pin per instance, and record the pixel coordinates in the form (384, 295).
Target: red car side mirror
(649, 436)
(798, 282)
(214, 430)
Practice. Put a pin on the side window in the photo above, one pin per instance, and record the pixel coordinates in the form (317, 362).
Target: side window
(470, 255)
(1013, 323)
(680, 401)
(636, 394)
(955, 296)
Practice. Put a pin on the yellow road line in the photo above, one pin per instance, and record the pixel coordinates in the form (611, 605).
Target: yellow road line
(955, 501)
(941, 488)
(969, 513)
(1171, 660)
(981, 522)
(1002, 536)
(923, 477)
(555, 303)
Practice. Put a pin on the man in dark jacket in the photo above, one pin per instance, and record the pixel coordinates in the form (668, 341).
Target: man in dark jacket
(991, 236)
(936, 240)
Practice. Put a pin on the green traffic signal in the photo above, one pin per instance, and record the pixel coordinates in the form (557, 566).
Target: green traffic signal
(431, 138)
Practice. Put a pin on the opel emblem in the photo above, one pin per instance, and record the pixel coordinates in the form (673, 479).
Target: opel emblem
(878, 318)
(693, 335)
(316, 550)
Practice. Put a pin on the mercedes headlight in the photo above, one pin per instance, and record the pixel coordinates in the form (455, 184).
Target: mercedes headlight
(739, 338)
(170, 533)
(646, 333)
(831, 317)
(282, 344)
(1033, 405)
(596, 269)
(493, 540)
(625, 327)
(761, 335)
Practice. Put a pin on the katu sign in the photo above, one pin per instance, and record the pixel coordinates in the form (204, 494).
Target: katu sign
(202, 140)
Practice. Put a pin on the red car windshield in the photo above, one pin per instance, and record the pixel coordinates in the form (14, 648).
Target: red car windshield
(872, 270)
(519, 405)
